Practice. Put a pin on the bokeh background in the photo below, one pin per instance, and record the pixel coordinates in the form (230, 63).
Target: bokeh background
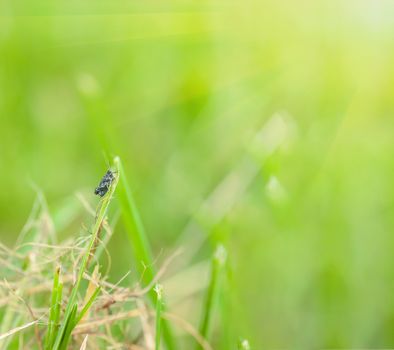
(265, 125)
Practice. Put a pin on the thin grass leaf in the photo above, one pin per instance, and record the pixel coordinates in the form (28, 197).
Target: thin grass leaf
(139, 241)
(134, 226)
(10, 320)
(57, 315)
(228, 324)
(218, 263)
(51, 321)
(84, 343)
(17, 329)
(69, 326)
(87, 305)
(106, 237)
(159, 305)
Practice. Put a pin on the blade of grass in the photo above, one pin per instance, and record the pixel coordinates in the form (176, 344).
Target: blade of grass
(69, 326)
(54, 298)
(134, 226)
(159, 305)
(84, 343)
(227, 327)
(10, 320)
(57, 315)
(72, 302)
(139, 241)
(17, 329)
(218, 263)
(107, 235)
(87, 305)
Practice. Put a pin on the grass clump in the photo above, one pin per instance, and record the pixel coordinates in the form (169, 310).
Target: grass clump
(53, 295)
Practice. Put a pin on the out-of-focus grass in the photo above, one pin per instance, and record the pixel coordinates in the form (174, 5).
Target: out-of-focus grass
(159, 306)
(292, 99)
(68, 319)
(218, 263)
(140, 245)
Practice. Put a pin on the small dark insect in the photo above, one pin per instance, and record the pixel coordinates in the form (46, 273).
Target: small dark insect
(105, 183)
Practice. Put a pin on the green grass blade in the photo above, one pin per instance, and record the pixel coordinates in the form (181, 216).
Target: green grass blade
(69, 326)
(101, 211)
(139, 241)
(57, 315)
(159, 305)
(51, 322)
(106, 237)
(87, 305)
(134, 226)
(218, 263)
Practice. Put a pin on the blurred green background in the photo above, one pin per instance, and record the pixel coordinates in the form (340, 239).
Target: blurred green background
(265, 125)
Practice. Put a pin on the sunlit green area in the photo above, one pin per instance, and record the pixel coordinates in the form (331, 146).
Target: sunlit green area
(264, 126)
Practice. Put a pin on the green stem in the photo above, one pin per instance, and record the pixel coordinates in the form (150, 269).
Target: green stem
(218, 262)
(159, 305)
(135, 228)
(102, 209)
(54, 297)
